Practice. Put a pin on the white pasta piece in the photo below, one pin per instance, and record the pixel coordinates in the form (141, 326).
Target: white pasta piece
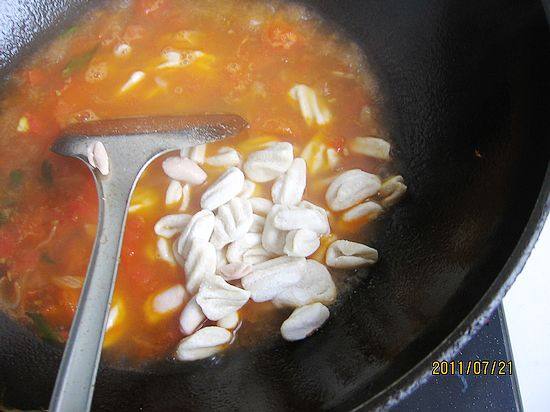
(351, 188)
(297, 218)
(308, 205)
(195, 153)
(122, 50)
(289, 188)
(333, 158)
(343, 254)
(261, 206)
(175, 59)
(319, 157)
(370, 210)
(98, 157)
(112, 318)
(269, 163)
(200, 263)
(301, 243)
(179, 258)
(237, 248)
(314, 154)
(273, 239)
(234, 271)
(133, 81)
(225, 188)
(191, 317)
(185, 197)
(183, 169)
(372, 147)
(315, 285)
(217, 298)
(203, 343)
(172, 59)
(258, 223)
(174, 193)
(170, 225)
(200, 227)
(233, 220)
(273, 276)
(313, 110)
(226, 157)
(305, 216)
(304, 321)
(229, 322)
(169, 300)
(392, 190)
(249, 188)
(257, 254)
(68, 281)
(221, 257)
(164, 251)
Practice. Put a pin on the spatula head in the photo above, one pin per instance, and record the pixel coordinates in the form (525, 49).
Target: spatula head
(147, 136)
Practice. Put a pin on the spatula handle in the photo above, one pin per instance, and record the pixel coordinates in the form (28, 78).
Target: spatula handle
(129, 154)
(75, 381)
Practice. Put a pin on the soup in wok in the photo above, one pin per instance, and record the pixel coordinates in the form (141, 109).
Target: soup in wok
(228, 243)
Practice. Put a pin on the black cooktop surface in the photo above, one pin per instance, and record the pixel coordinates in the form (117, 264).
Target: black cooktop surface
(462, 392)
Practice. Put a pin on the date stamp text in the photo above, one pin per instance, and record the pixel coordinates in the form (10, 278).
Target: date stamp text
(472, 367)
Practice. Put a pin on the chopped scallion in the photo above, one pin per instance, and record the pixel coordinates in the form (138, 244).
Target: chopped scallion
(42, 327)
(47, 259)
(16, 178)
(79, 62)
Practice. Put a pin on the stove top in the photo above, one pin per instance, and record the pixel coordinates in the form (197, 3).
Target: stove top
(462, 392)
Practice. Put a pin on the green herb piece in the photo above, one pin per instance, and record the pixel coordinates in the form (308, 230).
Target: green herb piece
(43, 329)
(44, 257)
(46, 173)
(69, 32)
(79, 62)
(7, 202)
(16, 178)
(4, 216)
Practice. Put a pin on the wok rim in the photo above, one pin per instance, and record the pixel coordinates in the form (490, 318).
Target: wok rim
(472, 323)
(477, 317)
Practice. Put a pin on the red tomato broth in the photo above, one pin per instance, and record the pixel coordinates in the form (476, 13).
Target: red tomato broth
(249, 70)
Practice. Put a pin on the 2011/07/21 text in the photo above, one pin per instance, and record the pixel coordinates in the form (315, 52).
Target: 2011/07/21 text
(472, 367)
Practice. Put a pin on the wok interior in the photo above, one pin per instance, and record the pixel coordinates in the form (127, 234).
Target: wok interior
(466, 104)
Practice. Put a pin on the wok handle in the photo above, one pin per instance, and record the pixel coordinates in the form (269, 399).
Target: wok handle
(74, 386)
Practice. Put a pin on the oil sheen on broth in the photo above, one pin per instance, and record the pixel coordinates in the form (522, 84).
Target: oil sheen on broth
(261, 60)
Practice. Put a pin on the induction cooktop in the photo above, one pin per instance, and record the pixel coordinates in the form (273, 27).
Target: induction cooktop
(479, 388)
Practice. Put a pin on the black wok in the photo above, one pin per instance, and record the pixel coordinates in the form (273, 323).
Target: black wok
(467, 101)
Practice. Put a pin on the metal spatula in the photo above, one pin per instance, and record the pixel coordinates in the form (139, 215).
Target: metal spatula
(131, 145)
